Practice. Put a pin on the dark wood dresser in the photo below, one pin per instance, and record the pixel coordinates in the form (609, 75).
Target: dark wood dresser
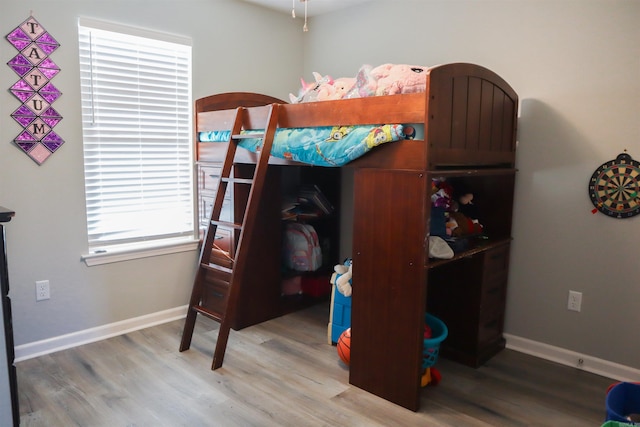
(9, 412)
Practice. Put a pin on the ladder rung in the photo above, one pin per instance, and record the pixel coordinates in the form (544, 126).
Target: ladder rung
(226, 224)
(221, 260)
(216, 267)
(219, 282)
(248, 136)
(217, 272)
(208, 313)
(221, 253)
(237, 180)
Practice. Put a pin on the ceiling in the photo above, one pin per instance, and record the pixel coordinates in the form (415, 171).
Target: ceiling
(314, 7)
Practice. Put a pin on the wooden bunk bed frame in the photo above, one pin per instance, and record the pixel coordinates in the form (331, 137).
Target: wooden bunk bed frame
(469, 115)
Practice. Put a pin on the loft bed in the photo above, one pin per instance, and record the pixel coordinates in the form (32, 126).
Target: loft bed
(468, 115)
(467, 111)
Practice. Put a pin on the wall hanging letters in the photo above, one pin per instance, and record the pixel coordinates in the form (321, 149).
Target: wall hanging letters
(35, 90)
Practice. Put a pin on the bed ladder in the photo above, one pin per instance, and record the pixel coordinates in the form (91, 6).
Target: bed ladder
(216, 287)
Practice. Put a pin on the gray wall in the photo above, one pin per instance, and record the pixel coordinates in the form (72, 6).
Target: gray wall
(48, 234)
(576, 68)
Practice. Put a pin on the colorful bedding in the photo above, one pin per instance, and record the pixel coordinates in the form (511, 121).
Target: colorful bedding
(321, 146)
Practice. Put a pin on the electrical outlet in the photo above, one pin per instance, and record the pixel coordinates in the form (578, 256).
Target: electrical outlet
(575, 301)
(42, 290)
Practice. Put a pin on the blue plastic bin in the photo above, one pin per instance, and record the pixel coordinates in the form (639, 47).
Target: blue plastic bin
(431, 346)
(623, 399)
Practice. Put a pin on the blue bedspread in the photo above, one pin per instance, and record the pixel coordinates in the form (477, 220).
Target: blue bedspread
(321, 146)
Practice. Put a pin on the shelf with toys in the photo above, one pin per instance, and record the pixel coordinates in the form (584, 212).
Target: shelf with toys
(471, 212)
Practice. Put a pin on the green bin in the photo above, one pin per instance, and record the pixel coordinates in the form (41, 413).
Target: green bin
(616, 424)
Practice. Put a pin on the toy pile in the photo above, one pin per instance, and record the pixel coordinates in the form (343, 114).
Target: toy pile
(453, 209)
(386, 79)
(454, 217)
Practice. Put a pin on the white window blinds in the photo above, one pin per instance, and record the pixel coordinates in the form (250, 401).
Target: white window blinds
(136, 121)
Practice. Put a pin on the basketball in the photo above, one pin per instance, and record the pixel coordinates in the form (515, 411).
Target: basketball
(344, 346)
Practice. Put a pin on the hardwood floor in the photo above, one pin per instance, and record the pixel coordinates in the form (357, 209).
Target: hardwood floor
(283, 373)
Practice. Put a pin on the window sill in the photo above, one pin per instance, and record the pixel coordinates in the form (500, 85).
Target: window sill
(127, 254)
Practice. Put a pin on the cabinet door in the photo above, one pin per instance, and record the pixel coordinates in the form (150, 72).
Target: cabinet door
(389, 276)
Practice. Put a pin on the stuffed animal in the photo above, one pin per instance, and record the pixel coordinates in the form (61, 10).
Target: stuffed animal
(466, 206)
(463, 217)
(460, 214)
(441, 194)
(341, 277)
(392, 79)
(461, 225)
(309, 91)
(335, 89)
(325, 88)
(386, 79)
(365, 84)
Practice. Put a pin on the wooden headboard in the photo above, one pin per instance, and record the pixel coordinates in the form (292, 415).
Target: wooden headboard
(472, 116)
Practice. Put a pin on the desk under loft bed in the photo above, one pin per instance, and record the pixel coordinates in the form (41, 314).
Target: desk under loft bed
(469, 116)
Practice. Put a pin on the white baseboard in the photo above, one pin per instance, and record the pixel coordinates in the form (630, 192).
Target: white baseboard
(51, 345)
(565, 357)
(523, 345)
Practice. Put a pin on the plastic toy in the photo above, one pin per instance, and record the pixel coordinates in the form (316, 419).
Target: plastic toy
(623, 403)
(435, 331)
(340, 313)
(344, 346)
(342, 277)
(431, 376)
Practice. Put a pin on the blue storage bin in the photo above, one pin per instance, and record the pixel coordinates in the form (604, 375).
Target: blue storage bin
(622, 400)
(431, 346)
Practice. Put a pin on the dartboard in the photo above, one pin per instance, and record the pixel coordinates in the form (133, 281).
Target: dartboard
(615, 186)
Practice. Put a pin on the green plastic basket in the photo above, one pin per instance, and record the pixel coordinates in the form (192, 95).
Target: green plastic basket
(616, 424)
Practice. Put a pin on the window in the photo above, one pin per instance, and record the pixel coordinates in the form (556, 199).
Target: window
(136, 122)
